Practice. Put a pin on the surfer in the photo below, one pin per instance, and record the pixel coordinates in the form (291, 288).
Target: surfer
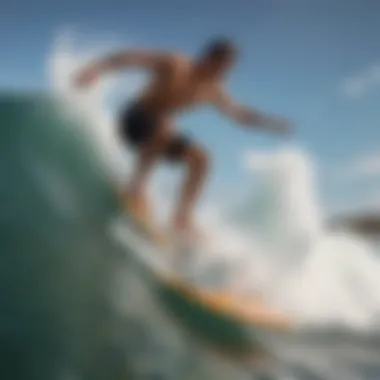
(177, 83)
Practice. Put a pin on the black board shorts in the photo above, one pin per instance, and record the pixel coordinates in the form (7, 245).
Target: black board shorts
(138, 126)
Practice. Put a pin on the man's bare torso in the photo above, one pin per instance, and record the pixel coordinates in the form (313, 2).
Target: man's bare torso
(176, 88)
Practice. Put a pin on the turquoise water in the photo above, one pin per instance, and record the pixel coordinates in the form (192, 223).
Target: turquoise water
(73, 302)
(55, 255)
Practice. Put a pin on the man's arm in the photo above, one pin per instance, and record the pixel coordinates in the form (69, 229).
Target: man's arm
(145, 59)
(247, 116)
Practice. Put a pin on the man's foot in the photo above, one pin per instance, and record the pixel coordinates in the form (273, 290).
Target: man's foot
(186, 231)
(137, 203)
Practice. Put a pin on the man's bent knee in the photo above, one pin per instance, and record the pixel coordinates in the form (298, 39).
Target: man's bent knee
(162, 134)
(198, 158)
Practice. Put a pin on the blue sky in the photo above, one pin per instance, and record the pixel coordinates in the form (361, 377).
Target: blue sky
(312, 61)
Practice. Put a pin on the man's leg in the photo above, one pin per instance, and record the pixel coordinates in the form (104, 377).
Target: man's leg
(197, 162)
(148, 156)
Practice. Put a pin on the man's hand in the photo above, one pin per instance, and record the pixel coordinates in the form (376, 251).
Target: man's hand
(253, 118)
(247, 116)
(281, 126)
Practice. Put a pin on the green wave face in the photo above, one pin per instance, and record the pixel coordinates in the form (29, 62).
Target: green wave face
(59, 298)
(54, 251)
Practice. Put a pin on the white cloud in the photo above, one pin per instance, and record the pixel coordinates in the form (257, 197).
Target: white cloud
(362, 83)
(363, 167)
(369, 202)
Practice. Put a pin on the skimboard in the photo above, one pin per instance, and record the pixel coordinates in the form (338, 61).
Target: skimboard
(221, 317)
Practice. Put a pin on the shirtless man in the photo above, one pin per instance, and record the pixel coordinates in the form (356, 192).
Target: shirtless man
(177, 83)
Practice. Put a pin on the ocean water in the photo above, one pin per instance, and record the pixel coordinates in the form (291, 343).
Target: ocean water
(74, 303)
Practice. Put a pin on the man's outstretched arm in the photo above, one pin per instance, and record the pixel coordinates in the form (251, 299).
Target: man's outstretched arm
(248, 116)
(144, 59)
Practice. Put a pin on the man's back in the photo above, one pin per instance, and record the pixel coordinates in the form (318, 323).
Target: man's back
(176, 85)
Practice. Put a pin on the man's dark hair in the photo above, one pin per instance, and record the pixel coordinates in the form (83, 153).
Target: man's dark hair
(219, 47)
